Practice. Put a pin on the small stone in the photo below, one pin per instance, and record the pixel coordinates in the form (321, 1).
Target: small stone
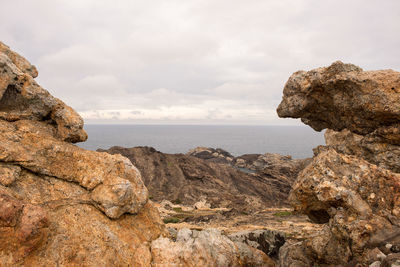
(375, 264)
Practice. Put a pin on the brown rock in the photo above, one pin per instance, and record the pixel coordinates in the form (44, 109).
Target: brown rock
(8, 173)
(343, 96)
(23, 227)
(84, 235)
(187, 180)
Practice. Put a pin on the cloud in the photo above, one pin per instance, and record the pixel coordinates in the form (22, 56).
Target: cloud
(193, 61)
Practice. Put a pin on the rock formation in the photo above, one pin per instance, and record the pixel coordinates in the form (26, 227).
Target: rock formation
(61, 205)
(343, 96)
(188, 179)
(352, 185)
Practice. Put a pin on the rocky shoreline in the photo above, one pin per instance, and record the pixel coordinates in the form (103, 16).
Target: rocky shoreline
(61, 205)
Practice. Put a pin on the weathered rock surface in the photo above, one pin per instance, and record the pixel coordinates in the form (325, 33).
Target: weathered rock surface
(352, 185)
(205, 248)
(373, 147)
(188, 180)
(343, 96)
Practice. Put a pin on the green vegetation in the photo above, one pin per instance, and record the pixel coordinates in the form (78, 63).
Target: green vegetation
(171, 220)
(282, 214)
(177, 209)
(176, 201)
(170, 164)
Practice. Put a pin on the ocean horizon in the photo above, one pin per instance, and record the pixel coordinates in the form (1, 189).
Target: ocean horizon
(297, 141)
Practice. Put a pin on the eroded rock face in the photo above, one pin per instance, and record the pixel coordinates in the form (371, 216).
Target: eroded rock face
(343, 96)
(352, 185)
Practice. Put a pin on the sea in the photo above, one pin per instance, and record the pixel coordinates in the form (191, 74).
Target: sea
(297, 141)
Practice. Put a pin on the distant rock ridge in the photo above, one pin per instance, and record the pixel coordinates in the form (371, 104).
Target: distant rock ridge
(206, 174)
(352, 185)
(254, 162)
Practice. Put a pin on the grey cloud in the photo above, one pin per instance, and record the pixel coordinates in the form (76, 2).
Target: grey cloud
(161, 57)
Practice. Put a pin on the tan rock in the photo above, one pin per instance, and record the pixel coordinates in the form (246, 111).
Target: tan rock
(343, 96)
(76, 233)
(205, 248)
(115, 184)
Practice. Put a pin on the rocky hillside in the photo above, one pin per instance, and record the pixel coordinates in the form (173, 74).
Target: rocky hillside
(352, 185)
(61, 205)
(195, 177)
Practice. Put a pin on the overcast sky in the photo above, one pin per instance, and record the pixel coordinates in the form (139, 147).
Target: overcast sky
(189, 61)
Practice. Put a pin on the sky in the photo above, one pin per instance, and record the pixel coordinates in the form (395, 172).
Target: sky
(192, 61)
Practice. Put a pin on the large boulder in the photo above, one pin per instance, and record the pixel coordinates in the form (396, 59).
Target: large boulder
(352, 185)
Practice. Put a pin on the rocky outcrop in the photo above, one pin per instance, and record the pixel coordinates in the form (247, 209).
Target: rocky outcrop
(352, 185)
(343, 96)
(188, 180)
